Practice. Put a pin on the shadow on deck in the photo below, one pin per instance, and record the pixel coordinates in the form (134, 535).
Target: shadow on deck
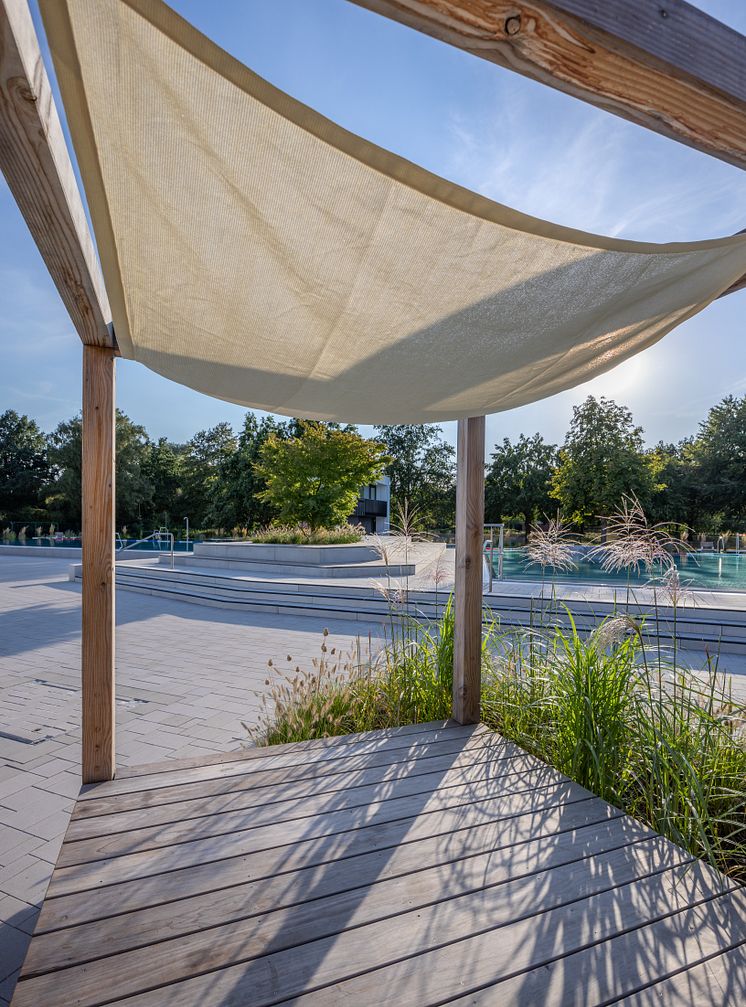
(418, 866)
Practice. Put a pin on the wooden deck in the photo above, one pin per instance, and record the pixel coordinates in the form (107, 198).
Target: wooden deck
(418, 866)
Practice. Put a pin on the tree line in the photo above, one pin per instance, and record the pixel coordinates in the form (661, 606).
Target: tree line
(218, 479)
(698, 483)
(215, 478)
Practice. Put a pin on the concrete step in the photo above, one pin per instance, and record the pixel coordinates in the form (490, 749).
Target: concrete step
(369, 568)
(715, 629)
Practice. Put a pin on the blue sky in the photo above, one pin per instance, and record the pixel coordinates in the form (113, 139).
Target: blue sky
(513, 140)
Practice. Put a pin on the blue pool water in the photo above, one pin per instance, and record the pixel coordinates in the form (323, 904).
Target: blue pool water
(717, 571)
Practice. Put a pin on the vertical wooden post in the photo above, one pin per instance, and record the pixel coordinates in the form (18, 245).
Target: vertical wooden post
(98, 563)
(467, 655)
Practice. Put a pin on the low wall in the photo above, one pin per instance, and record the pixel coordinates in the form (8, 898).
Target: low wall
(295, 555)
(59, 551)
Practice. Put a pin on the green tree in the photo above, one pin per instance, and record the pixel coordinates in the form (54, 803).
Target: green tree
(518, 480)
(24, 467)
(207, 457)
(422, 470)
(602, 460)
(678, 497)
(315, 478)
(134, 491)
(164, 468)
(243, 505)
(720, 452)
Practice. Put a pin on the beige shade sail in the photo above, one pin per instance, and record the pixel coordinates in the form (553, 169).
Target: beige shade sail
(256, 251)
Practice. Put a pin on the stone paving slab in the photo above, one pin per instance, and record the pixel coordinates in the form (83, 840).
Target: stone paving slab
(186, 678)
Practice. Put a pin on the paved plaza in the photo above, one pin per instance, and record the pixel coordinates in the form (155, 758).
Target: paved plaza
(187, 677)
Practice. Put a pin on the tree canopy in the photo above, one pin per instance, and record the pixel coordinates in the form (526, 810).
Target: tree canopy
(218, 479)
(720, 453)
(315, 477)
(601, 461)
(24, 467)
(518, 480)
(422, 470)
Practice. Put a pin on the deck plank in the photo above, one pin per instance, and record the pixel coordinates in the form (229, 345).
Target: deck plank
(441, 837)
(454, 868)
(252, 751)
(397, 748)
(718, 980)
(308, 796)
(407, 960)
(410, 867)
(359, 928)
(685, 950)
(339, 811)
(163, 789)
(336, 829)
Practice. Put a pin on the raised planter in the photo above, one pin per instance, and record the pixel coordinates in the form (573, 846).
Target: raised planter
(357, 560)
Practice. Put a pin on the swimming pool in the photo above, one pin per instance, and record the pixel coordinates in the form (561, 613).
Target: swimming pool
(717, 571)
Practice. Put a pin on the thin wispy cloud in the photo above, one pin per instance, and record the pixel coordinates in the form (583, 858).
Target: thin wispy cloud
(551, 157)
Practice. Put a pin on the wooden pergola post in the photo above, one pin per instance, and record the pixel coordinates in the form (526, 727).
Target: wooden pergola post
(99, 425)
(467, 651)
(37, 167)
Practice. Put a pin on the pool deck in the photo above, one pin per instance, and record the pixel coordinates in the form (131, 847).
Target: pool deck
(413, 867)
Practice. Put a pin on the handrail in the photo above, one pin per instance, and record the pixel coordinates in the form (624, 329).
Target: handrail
(489, 547)
(154, 536)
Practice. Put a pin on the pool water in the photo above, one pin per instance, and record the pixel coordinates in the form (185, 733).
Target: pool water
(717, 571)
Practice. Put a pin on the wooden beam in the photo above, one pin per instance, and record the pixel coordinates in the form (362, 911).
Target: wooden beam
(663, 64)
(98, 563)
(37, 167)
(467, 651)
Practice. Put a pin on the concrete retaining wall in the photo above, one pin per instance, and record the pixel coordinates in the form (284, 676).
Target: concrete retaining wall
(60, 551)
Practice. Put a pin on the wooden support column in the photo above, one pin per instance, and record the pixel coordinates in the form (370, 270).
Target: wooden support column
(98, 563)
(467, 655)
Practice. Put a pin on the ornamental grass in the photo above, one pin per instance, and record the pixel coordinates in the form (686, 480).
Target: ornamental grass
(618, 716)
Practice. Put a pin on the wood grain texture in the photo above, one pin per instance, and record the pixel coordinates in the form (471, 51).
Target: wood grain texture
(667, 66)
(459, 884)
(97, 645)
(467, 656)
(304, 798)
(77, 944)
(435, 839)
(37, 167)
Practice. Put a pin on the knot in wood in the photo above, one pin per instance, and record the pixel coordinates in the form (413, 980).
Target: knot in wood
(513, 24)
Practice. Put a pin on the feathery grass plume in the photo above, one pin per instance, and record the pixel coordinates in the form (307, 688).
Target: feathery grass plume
(635, 544)
(439, 574)
(552, 547)
(613, 631)
(440, 577)
(674, 590)
(300, 534)
(406, 523)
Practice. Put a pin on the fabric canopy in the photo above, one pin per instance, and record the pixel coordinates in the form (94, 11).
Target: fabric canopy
(256, 251)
